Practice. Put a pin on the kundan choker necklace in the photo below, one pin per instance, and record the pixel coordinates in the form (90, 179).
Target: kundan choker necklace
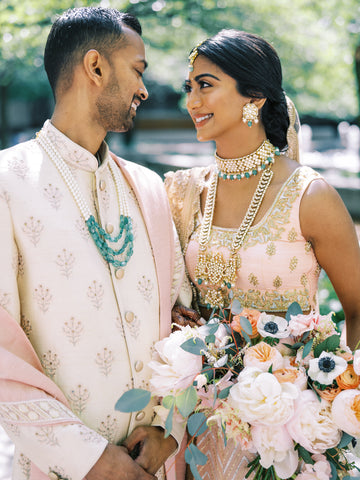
(118, 256)
(249, 165)
(212, 271)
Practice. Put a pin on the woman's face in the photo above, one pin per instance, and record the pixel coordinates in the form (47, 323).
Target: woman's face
(213, 102)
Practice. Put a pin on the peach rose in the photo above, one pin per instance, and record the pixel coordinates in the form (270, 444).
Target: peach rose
(329, 393)
(348, 379)
(346, 411)
(292, 375)
(252, 316)
(263, 356)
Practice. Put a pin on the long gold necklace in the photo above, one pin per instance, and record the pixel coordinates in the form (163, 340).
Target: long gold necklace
(212, 271)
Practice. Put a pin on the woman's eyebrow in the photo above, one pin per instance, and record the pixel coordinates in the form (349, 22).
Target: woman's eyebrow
(198, 77)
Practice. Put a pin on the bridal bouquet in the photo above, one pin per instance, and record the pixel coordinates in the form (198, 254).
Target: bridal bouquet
(286, 389)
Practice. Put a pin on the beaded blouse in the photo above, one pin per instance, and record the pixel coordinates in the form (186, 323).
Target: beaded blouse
(277, 266)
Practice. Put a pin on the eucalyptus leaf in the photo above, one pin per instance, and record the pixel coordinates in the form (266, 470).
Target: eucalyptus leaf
(210, 339)
(194, 455)
(224, 393)
(133, 400)
(345, 440)
(334, 474)
(246, 337)
(246, 325)
(236, 307)
(307, 348)
(168, 401)
(294, 309)
(196, 424)
(194, 345)
(297, 345)
(169, 422)
(186, 401)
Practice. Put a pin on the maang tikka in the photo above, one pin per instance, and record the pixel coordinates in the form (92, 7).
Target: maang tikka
(194, 53)
(250, 114)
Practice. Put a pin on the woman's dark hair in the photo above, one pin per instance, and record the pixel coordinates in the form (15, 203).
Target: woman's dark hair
(79, 30)
(256, 67)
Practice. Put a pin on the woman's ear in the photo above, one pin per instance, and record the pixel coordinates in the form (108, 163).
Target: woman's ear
(259, 102)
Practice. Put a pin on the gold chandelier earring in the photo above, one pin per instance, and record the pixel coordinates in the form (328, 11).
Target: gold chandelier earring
(250, 114)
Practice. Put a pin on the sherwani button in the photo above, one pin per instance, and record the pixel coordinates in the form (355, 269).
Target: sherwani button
(139, 366)
(102, 184)
(53, 476)
(140, 415)
(119, 273)
(109, 227)
(129, 317)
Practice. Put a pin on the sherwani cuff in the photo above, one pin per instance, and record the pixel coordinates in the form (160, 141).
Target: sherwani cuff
(178, 427)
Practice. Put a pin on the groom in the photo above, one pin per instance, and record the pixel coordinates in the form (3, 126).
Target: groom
(90, 267)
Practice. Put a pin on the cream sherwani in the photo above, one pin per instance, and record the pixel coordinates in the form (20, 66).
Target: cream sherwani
(91, 326)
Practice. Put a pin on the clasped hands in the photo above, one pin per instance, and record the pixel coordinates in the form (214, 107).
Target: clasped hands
(152, 450)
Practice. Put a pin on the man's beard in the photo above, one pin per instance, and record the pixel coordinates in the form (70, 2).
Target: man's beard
(114, 115)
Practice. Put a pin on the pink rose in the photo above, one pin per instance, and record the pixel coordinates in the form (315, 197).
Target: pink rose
(321, 469)
(346, 411)
(300, 324)
(262, 356)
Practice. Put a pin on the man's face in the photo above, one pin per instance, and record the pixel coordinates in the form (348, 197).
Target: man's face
(117, 103)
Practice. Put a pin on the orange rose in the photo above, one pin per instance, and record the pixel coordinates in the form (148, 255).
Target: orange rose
(348, 379)
(329, 393)
(355, 407)
(252, 316)
(292, 375)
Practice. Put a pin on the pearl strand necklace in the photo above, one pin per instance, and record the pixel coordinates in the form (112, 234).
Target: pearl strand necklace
(248, 165)
(98, 234)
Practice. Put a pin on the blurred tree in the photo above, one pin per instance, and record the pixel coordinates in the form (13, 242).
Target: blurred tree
(316, 41)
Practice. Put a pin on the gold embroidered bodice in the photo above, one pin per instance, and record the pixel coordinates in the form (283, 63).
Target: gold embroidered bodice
(276, 265)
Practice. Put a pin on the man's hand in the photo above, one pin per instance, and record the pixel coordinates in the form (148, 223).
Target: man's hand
(154, 448)
(116, 464)
(183, 316)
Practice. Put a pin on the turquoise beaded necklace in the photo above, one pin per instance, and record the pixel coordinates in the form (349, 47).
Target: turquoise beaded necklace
(120, 256)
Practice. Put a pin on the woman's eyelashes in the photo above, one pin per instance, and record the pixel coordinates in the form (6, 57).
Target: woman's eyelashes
(187, 88)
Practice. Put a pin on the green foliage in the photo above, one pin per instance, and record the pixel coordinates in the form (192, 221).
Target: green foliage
(315, 40)
(133, 400)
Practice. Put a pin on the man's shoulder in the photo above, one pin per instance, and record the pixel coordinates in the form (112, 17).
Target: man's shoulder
(135, 169)
(19, 151)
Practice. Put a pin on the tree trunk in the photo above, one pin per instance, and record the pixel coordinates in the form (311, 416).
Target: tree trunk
(4, 130)
(357, 71)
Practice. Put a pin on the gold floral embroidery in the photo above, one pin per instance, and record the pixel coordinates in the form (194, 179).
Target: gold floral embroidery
(47, 435)
(108, 428)
(308, 247)
(53, 195)
(25, 465)
(253, 279)
(271, 249)
(25, 325)
(105, 360)
(145, 287)
(50, 362)
(78, 398)
(292, 235)
(73, 330)
(34, 411)
(33, 228)
(43, 298)
(96, 294)
(293, 263)
(65, 260)
(304, 280)
(317, 270)
(277, 282)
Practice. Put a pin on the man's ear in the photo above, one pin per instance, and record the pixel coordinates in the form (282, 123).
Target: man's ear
(94, 65)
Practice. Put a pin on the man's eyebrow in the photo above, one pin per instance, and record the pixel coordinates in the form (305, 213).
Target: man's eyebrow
(198, 77)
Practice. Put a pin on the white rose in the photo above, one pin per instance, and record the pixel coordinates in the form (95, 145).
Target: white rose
(275, 447)
(312, 425)
(201, 380)
(173, 368)
(261, 399)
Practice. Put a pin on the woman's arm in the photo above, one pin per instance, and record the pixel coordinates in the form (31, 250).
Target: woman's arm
(326, 223)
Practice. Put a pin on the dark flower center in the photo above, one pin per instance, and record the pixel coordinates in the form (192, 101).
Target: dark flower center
(326, 364)
(271, 327)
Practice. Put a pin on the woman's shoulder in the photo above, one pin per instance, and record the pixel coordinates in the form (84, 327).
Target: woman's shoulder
(184, 176)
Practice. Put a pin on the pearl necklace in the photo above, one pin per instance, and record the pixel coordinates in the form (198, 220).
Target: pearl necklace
(248, 165)
(117, 257)
(211, 270)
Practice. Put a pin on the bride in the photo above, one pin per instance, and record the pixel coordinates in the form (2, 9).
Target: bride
(255, 222)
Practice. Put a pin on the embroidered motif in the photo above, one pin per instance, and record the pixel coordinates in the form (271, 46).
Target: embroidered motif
(36, 411)
(82, 228)
(308, 247)
(53, 195)
(26, 325)
(120, 326)
(293, 263)
(33, 228)
(20, 266)
(89, 436)
(50, 362)
(134, 327)
(65, 260)
(25, 465)
(43, 298)
(108, 428)
(4, 299)
(96, 294)
(73, 330)
(292, 235)
(271, 249)
(145, 287)
(78, 398)
(304, 280)
(277, 282)
(19, 167)
(104, 360)
(253, 279)
(47, 436)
